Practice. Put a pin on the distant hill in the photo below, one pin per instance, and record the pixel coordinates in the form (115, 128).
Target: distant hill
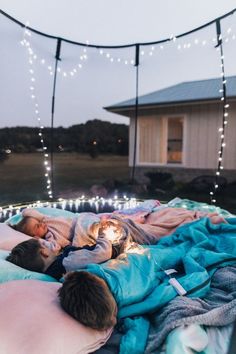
(94, 137)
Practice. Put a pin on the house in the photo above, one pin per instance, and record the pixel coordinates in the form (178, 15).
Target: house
(178, 129)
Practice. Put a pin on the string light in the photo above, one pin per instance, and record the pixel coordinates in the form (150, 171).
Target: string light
(113, 59)
(25, 43)
(79, 204)
(70, 73)
(173, 40)
(221, 130)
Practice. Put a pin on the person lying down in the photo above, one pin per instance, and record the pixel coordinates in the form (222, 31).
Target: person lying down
(38, 255)
(83, 229)
(140, 283)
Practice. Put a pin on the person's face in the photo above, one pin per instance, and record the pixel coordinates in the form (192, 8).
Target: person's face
(47, 253)
(36, 228)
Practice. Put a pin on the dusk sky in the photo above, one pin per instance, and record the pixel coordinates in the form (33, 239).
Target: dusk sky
(107, 78)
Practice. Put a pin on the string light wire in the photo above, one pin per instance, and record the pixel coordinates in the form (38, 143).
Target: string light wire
(30, 54)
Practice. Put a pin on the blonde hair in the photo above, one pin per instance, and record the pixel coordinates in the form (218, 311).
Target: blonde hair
(22, 225)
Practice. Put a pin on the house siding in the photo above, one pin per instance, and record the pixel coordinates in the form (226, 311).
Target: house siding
(201, 136)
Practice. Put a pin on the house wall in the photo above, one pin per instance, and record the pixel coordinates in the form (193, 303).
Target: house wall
(201, 136)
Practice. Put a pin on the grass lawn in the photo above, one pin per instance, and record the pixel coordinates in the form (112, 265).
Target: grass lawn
(22, 179)
(22, 175)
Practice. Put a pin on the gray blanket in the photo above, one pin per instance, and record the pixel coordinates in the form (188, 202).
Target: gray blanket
(218, 308)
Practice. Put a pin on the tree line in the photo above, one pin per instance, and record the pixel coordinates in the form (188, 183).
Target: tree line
(94, 137)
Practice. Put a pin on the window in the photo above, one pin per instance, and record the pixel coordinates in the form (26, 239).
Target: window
(175, 140)
(160, 140)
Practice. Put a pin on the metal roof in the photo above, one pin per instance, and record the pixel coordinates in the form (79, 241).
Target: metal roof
(203, 90)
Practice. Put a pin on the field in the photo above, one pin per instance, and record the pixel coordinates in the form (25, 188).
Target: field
(22, 180)
(22, 175)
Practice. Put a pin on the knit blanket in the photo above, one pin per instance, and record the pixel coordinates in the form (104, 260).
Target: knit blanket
(218, 308)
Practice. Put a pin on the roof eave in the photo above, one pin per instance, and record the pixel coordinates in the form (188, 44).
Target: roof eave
(116, 109)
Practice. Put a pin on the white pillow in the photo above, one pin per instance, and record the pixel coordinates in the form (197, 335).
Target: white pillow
(9, 237)
(33, 322)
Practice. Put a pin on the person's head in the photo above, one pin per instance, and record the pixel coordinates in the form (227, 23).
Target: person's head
(31, 226)
(88, 299)
(33, 255)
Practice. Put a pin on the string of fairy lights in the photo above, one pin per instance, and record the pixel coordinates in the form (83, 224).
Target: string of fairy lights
(47, 65)
(154, 50)
(33, 94)
(96, 204)
(225, 118)
(146, 50)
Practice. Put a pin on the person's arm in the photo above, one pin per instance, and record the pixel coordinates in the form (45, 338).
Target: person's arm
(33, 213)
(80, 258)
(52, 245)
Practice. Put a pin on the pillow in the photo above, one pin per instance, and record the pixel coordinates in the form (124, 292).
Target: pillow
(10, 271)
(44, 210)
(3, 254)
(9, 237)
(32, 321)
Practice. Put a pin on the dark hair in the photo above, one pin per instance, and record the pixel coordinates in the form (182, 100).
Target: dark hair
(88, 299)
(27, 255)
